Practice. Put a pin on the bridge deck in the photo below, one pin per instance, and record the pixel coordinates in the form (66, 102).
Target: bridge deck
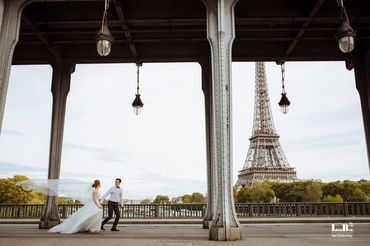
(264, 220)
(256, 234)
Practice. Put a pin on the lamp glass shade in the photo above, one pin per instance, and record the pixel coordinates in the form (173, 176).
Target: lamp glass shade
(284, 103)
(137, 110)
(346, 44)
(137, 104)
(345, 36)
(103, 47)
(104, 40)
(284, 109)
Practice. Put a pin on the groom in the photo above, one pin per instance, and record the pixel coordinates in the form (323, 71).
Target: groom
(115, 198)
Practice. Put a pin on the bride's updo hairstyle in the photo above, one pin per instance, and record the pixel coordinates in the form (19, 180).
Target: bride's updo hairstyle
(96, 183)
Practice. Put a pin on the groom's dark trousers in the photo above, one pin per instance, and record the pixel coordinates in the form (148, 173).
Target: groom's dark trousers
(112, 206)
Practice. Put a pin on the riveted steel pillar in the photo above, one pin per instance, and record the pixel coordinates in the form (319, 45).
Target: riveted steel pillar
(207, 91)
(2, 3)
(362, 75)
(62, 71)
(221, 32)
(10, 18)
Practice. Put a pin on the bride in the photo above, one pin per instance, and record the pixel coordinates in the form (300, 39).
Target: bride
(87, 218)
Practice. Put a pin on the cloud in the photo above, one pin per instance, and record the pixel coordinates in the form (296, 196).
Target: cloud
(103, 154)
(308, 141)
(12, 132)
(9, 169)
(170, 185)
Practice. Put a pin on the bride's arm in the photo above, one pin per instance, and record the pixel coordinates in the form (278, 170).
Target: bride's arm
(95, 199)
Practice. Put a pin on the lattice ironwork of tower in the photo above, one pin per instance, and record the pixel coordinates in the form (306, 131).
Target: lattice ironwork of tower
(265, 159)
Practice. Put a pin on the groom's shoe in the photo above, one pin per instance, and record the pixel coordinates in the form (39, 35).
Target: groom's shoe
(114, 229)
(102, 228)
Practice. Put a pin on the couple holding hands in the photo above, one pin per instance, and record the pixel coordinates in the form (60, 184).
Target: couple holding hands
(89, 217)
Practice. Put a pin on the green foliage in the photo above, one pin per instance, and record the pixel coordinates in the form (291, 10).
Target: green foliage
(332, 188)
(260, 192)
(330, 198)
(198, 197)
(349, 187)
(298, 191)
(10, 193)
(312, 192)
(365, 186)
(358, 196)
(161, 199)
(281, 191)
(186, 198)
(293, 196)
(350, 191)
(235, 194)
(242, 195)
(38, 198)
(306, 191)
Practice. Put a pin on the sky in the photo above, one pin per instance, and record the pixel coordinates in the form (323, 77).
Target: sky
(163, 151)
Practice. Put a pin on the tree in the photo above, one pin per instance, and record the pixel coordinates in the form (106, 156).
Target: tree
(358, 196)
(161, 199)
(313, 192)
(294, 196)
(289, 192)
(259, 192)
(281, 190)
(332, 188)
(186, 198)
(235, 194)
(242, 195)
(365, 186)
(330, 198)
(197, 197)
(349, 187)
(350, 191)
(10, 193)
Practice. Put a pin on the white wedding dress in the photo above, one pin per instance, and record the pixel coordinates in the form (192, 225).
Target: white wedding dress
(88, 218)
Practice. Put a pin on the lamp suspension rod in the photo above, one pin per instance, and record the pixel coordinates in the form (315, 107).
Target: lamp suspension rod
(283, 76)
(343, 9)
(104, 20)
(137, 77)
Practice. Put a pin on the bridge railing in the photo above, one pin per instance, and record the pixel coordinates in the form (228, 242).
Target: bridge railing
(301, 209)
(189, 211)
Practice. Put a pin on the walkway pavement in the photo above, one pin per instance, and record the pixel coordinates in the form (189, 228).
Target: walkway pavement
(186, 235)
(256, 220)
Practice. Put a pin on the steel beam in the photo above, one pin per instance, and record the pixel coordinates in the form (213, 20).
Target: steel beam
(307, 22)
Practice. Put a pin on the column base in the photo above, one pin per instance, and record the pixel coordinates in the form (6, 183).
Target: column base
(206, 224)
(47, 224)
(219, 234)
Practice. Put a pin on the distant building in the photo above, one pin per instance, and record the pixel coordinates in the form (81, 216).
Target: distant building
(176, 199)
(265, 159)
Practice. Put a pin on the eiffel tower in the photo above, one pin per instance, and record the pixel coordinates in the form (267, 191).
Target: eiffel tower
(265, 159)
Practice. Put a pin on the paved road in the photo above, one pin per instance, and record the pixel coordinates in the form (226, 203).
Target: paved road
(189, 235)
